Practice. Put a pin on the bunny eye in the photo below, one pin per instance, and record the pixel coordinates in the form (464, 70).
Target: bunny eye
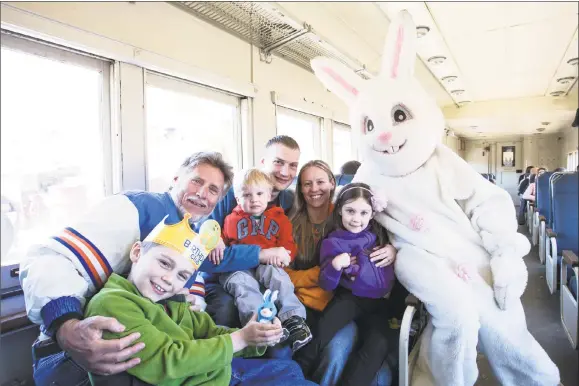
(368, 125)
(400, 114)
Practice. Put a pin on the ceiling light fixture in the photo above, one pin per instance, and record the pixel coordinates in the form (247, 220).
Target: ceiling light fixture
(464, 103)
(557, 93)
(436, 60)
(566, 80)
(457, 92)
(422, 30)
(449, 79)
(545, 123)
(540, 129)
(573, 61)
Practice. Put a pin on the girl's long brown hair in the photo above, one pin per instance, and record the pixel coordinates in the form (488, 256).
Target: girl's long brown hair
(302, 226)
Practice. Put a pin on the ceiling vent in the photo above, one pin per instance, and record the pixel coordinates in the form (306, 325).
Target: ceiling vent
(268, 28)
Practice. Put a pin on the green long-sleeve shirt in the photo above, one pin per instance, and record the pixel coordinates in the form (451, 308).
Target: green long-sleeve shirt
(181, 347)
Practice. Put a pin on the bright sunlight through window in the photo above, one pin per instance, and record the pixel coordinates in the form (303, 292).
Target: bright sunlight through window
(52, 156)
(183, 119)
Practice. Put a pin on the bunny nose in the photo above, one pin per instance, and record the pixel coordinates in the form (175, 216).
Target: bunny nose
(385, 137)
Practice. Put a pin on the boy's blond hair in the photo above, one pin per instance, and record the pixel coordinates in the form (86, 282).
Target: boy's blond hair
(250, 177)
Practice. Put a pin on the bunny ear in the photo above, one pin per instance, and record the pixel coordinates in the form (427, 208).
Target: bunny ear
(337, 78)
(274, 296)
(266, 294)
(399, 53)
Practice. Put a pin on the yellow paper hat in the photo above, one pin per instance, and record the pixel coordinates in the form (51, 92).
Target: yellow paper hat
(181, 238)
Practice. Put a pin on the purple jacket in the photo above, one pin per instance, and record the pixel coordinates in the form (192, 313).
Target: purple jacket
(368, 280)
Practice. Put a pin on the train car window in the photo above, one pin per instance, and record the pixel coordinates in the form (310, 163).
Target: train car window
(343, 145)
(183, 118)
(572, 161)
(55, 127)
(304, 128)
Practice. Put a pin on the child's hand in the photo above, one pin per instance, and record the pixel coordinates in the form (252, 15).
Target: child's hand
(257, 334)
(341, 261)
(198, 304)
(216, 255)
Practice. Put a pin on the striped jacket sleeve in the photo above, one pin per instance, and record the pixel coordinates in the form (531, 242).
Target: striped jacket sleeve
(59, 274)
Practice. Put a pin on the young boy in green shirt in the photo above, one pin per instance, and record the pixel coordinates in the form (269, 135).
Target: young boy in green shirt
(184, 347)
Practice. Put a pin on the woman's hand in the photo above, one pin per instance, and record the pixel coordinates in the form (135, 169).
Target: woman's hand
(383, 256)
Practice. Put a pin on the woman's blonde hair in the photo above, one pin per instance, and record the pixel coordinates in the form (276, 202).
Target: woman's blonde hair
(302, 226)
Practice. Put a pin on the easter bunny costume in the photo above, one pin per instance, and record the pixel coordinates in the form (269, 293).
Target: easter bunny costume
(456, 233)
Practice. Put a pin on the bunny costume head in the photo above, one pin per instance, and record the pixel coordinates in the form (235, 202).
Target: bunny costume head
(397, 123)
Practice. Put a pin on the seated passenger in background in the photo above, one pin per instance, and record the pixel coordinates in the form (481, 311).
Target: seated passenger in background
(254, 222)
(350, 167)
(182, 347)
(529, 194)
(362, 290)
(523, 185)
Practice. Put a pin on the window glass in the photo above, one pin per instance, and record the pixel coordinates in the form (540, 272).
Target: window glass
(52, 141)
(342, 146)
(302, 127)
(182, 119)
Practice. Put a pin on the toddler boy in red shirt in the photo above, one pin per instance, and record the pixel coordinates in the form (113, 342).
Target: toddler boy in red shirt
(254, 222)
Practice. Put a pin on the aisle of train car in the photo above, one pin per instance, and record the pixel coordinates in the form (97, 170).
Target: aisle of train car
(544, 322)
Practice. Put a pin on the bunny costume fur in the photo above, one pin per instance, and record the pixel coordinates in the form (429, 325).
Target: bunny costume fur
(456, 233)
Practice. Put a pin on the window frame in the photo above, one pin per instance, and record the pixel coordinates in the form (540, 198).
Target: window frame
(10, 285)
(171, 83)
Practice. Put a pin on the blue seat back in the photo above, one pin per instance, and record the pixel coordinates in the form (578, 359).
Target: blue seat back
(566, 211)
(343, 179)
(543, 196)
(554, 177)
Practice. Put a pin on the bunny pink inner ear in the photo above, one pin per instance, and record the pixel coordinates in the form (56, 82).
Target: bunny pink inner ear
(341, 81)
(397, 52)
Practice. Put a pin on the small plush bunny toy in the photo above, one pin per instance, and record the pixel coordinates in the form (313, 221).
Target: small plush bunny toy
(456, 233)
(267, 311)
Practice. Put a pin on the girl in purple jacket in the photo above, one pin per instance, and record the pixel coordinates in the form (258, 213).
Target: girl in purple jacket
(362, 289)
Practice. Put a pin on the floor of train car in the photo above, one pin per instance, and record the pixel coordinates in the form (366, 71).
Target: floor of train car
(544, 322)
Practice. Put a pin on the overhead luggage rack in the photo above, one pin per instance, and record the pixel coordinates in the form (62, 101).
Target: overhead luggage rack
(268, 28)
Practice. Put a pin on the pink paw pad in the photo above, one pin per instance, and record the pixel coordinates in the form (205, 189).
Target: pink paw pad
(417, 223)
(463, 272)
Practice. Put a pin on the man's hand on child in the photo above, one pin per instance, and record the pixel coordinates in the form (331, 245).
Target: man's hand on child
(383, 256)
(257, 334)
(341, 261)
(82, 339)
(275, 256)
(216, 255)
